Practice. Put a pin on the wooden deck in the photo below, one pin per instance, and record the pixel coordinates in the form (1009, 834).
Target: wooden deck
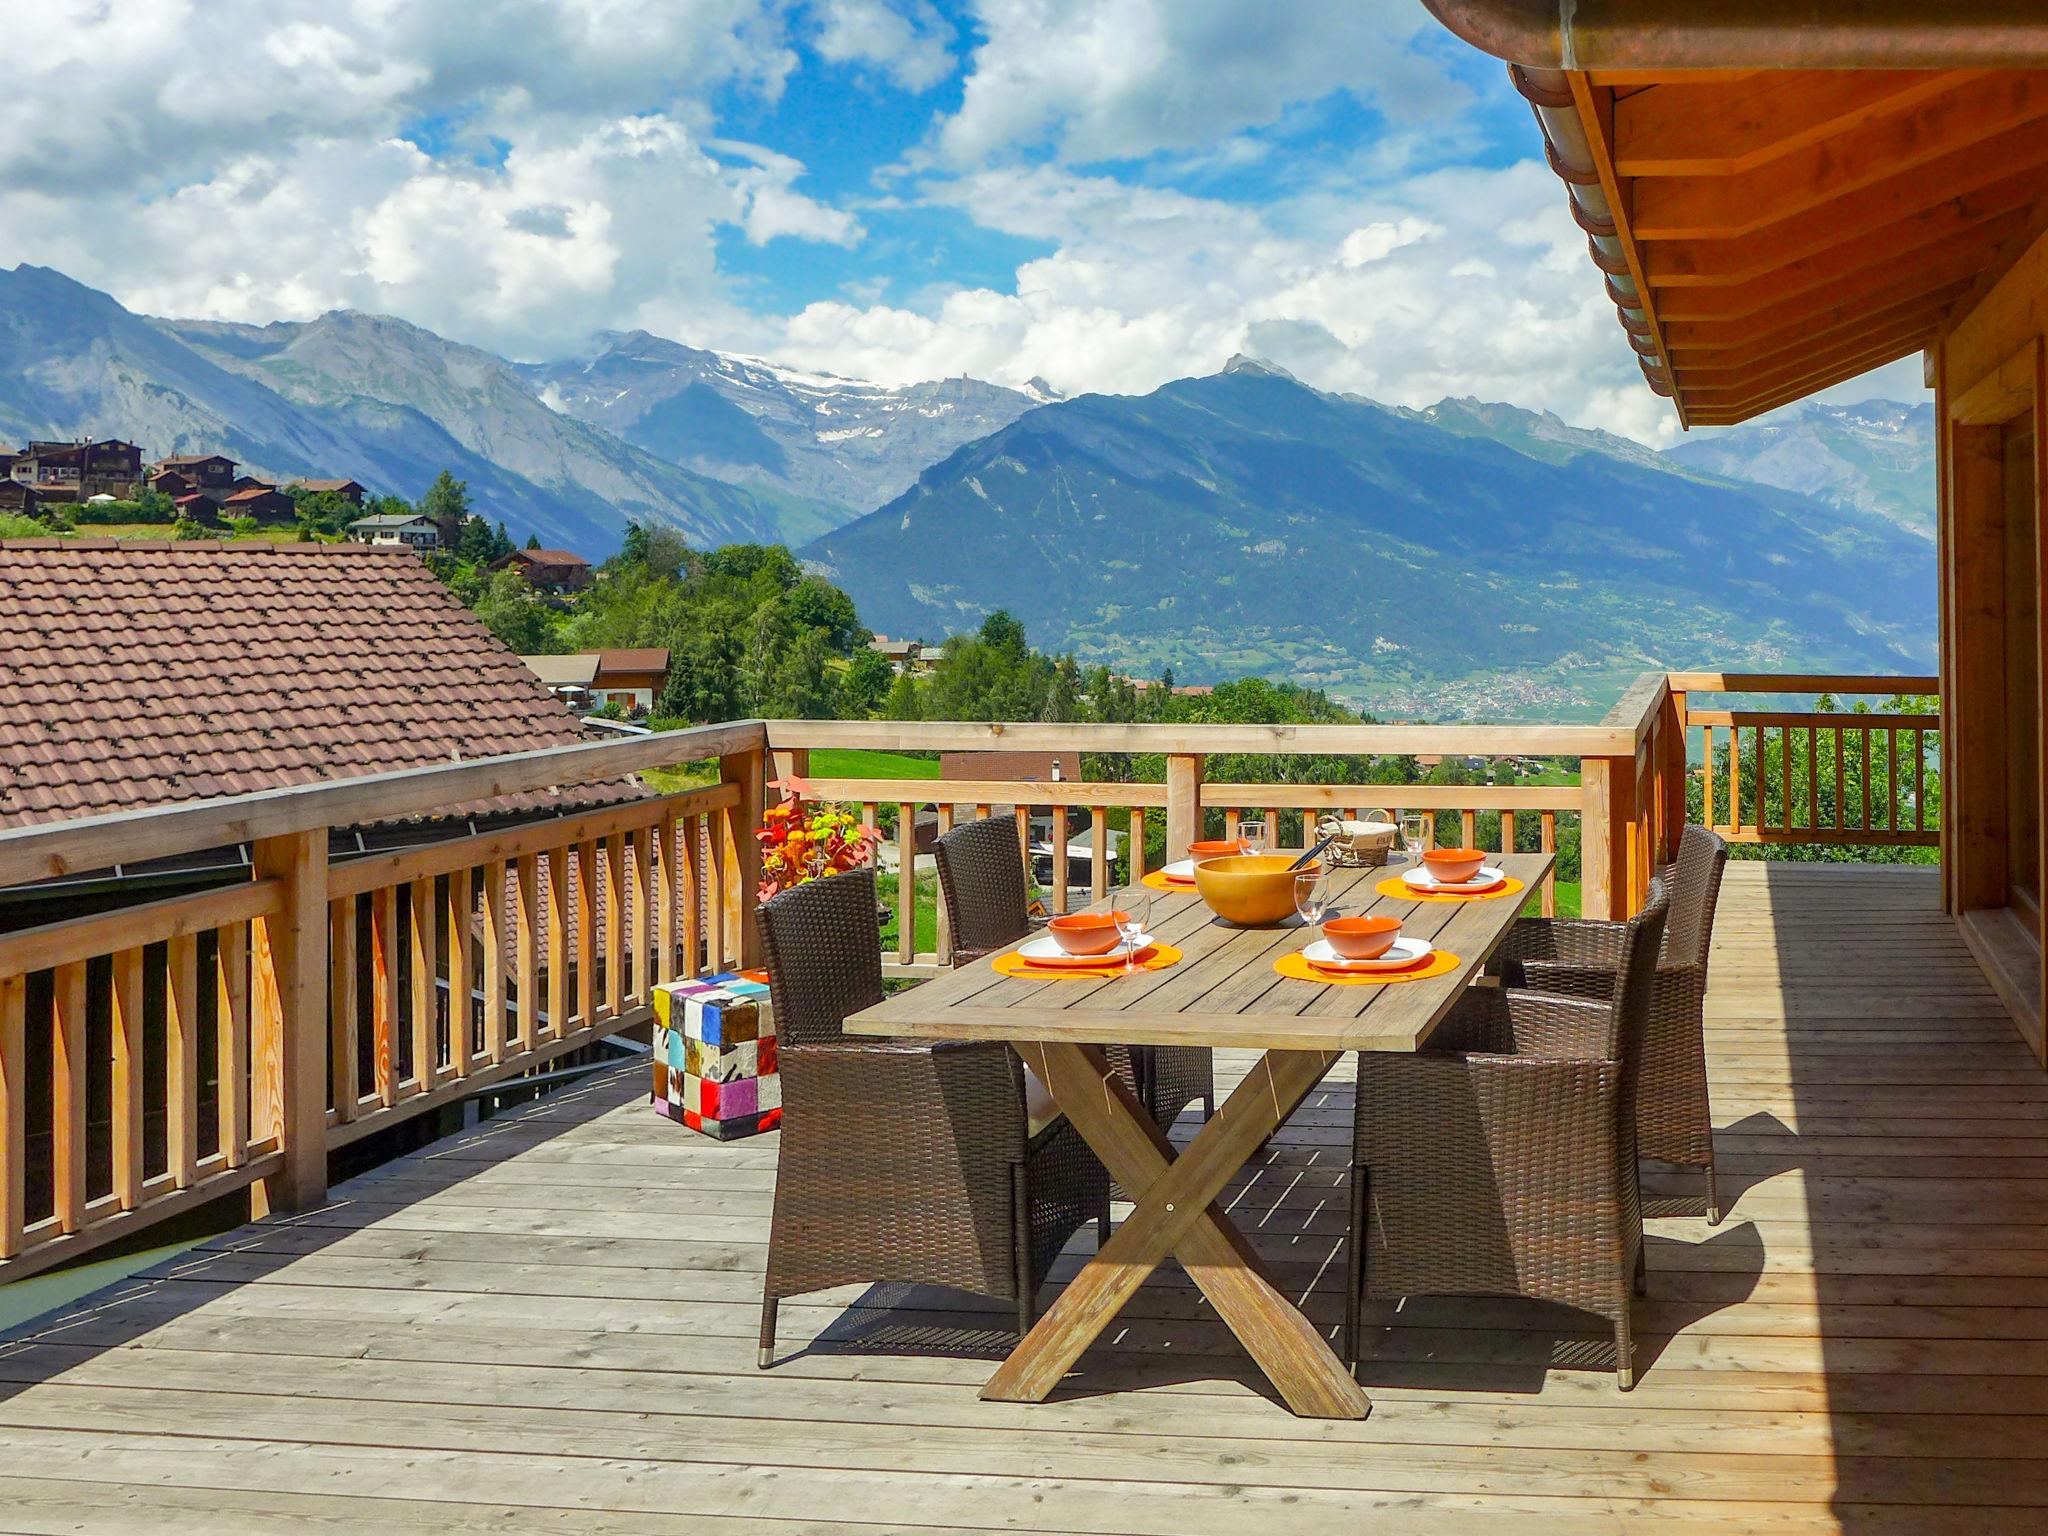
(549, 1325)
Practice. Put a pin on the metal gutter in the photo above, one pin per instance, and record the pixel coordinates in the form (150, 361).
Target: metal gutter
(1753, 34)
(1571, 156)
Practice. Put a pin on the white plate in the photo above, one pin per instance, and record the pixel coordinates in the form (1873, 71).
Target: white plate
(1180, 869)
(1046, 948)
(1403, 953)
(1420, 878)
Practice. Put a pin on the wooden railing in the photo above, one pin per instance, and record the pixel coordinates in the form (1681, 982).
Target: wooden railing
(170, 1052)
(265, 1022)
(1815, 777)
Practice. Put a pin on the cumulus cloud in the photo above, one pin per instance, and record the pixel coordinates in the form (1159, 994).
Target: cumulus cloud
(1113, 79)
(908, 41)
(513, 172)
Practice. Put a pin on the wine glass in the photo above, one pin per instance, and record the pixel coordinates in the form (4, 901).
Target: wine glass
(1414, 832)
(1253, 835)
(1132, 911)
(1312, 895)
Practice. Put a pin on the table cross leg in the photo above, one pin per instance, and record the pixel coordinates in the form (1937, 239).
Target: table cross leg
(1175, 1214)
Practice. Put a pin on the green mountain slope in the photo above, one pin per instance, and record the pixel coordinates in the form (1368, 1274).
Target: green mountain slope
(1244, 523)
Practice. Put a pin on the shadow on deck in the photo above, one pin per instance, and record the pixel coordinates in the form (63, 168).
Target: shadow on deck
(549, 1324)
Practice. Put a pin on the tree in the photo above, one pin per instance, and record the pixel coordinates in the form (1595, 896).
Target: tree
(865, 684)
(446, 501)
(517, 617)
(533, 541)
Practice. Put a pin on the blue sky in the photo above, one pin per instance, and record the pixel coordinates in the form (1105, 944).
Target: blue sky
(1103, 193)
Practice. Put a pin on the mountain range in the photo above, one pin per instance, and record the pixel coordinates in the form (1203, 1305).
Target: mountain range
(754, 423)
(1245, 523)
(1469, 558)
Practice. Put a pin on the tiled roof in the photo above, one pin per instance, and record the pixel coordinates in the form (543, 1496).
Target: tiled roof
(550, 557)
(136, 674)
(643, 659)
(327, 485)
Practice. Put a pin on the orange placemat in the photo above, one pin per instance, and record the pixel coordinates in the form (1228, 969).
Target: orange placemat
(1157, 881)
(1296, 966)
(1398, 887)
(1153, 957)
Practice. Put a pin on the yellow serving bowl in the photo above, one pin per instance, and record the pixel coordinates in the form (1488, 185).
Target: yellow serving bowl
(1252, 890)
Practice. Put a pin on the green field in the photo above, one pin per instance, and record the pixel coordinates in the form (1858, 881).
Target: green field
(854, 763)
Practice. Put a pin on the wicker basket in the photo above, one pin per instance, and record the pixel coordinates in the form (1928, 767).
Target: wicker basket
(1359, 844)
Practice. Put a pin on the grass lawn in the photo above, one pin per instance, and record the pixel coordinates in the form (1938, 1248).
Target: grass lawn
(854, 763)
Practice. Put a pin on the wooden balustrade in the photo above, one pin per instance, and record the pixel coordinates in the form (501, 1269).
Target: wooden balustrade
(162, 1055)
(167, 1053)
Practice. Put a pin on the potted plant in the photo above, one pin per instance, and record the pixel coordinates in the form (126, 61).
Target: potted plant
(803, 840)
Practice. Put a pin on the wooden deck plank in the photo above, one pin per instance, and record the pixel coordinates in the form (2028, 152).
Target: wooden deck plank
(553, 1316)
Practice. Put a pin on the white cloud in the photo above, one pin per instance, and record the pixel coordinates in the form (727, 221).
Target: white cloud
(567, 180)
(1116, 79)
(908, 41)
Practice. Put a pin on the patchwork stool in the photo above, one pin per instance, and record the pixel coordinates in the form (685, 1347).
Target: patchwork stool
(714, 1055)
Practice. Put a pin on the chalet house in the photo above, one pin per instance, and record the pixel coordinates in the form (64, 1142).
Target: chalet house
(18, 498)
(548, 570)
(571, 678)
(266, 503)
(632, 679)
(403, 528)
(80, 470)
(211, 474)
(348, 490)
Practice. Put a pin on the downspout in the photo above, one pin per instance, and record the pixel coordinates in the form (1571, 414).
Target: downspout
(1570, 154)
(1753, 34)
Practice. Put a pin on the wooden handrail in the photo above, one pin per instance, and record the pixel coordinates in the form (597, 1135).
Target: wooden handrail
(46, 850)
(1535, 740)
(1801, 682)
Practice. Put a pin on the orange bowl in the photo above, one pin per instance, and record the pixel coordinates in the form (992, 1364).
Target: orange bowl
(1250, 889)
(1453, 866)
(1362, 938)
(1084, 933)
(1216, 848)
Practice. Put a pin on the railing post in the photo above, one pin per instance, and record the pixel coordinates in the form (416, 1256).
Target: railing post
(743, 881)
(1183, 802)
(1677, 769)
(289, 1024)
(792, 762)
(1606, 830)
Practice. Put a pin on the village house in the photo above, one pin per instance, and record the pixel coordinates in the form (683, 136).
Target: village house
(211, 475)
(548, 570)
(18, 498)
(631, 678)
(406, 528)
(265, 503)
(348, 490)
(80, 470)
(571, 678)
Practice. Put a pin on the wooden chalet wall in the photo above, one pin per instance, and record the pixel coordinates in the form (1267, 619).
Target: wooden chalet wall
(1992, 401)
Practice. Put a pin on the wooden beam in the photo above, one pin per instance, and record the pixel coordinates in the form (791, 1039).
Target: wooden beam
(1935, 201)
(288, 1022)
(1726, 415)
(1817, 314)
(1974, 795)
(1849, 336)
(1719, 206)
(1718, 128)
(1838, 362)
(1892, 260)
(2001, 394)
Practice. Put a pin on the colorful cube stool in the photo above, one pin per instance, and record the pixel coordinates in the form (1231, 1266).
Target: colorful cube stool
(714, 1055)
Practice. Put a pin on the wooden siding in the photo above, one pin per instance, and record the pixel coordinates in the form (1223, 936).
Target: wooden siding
(548, 1324)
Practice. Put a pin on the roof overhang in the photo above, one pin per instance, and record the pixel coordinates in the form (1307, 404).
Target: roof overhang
(1782, 194)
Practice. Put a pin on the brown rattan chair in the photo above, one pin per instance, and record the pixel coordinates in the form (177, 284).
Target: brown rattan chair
(981, 881)
(1577, 958)
(1501, 1160)
(907, 1161)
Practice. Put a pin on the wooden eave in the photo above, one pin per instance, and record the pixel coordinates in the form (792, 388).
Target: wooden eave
(1787, 229)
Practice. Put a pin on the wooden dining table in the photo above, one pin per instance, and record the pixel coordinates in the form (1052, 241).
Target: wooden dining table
(1223, 993)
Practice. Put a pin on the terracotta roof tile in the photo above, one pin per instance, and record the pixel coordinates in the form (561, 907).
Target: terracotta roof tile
(138, 674)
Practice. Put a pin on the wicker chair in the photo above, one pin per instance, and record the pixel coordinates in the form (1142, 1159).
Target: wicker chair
(1501, 1161)
(1674, 1121)
(901, 1160)
(981, 880)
